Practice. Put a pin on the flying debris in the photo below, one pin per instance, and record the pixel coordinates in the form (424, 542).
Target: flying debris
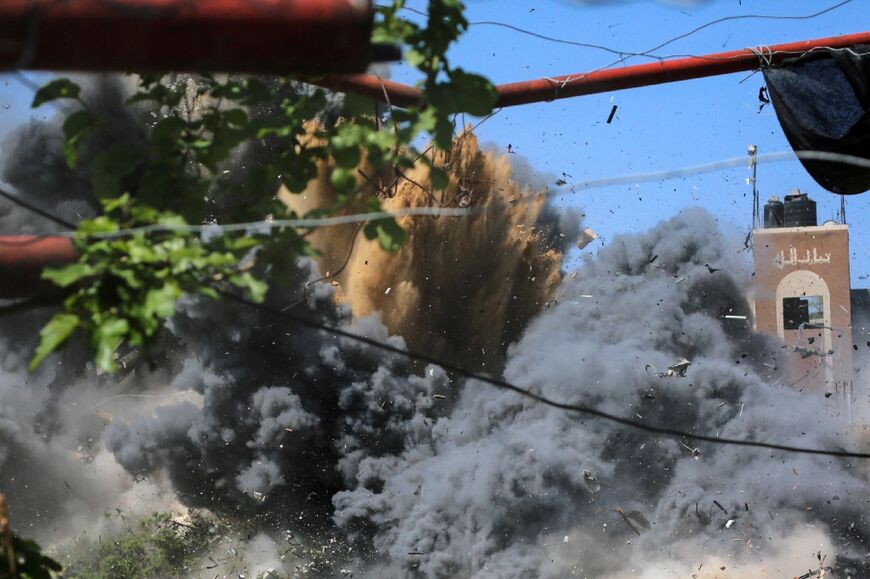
(763, 99)
(712, 269)
(586, 237)
(591, 482)
(634, 519)
(678, 368)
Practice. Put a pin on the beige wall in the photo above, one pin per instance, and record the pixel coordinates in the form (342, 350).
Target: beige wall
(807, 261)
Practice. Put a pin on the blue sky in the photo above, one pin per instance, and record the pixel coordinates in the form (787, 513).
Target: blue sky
(658, 127)
(655, 128)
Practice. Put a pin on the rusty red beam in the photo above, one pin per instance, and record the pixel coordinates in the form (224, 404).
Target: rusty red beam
(268, 36)
(606, 80)
(22, 259)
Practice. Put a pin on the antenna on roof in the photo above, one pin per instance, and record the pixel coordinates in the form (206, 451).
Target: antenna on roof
(753, 164)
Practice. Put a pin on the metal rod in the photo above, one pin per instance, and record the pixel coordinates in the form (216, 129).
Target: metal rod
(611, 79)
(274, 36)
(22, 259)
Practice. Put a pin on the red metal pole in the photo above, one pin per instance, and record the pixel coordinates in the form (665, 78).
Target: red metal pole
(276, 36)
(22, 258)
(548, 89)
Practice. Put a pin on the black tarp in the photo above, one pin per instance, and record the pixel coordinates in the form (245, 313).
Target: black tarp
(822, 100)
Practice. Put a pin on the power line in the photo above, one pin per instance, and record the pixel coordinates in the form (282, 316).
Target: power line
(34, 209)
(720, 165)
(581, 409)
(740, 17)
(267, 226)
(627, 54)
(597, 183)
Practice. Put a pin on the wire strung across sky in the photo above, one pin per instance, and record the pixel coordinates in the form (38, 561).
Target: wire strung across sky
(265, 227)
(625, 55)
(539, 398)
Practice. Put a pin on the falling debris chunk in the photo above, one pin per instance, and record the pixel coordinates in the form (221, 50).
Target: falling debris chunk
(439, 397)
(591, 482)
(678, 368)
(612, 114)
(634, 519)
(763, 99)
(712, 269)
(734, 317)
(586, 237)
(386, 293)
(729, 523)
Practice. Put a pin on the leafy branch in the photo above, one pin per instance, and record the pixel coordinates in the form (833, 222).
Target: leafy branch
(125, 285)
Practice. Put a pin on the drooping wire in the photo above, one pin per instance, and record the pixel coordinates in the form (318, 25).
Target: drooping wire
(539, 398)
(34, 209)
(625, 55)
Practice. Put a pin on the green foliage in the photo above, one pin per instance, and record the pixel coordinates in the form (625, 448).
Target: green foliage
(124, 288)
(61, 88)
(125, 285)
(155, 547)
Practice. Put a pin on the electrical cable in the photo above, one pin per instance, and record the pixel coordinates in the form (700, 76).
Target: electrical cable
(627, 54)
(34, 209)
(593, 412)
(256, 227)
(718, 166)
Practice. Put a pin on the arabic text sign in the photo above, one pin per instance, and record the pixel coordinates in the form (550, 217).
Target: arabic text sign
(795, 260)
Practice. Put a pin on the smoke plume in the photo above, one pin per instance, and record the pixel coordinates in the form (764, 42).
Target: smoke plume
(412, 472)
(454, 276)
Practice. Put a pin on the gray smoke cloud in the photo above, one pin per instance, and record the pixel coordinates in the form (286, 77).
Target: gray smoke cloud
(500, 478)
(424, 475)
(282, 434)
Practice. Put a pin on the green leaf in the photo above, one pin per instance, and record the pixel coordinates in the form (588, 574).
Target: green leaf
(256, 288)
(61, 88)
(236, 117)
(122, 202)
(106, 338)
(110, 167)
(440, 179)
(209, 292)
(69, 274)
(388, 233)
(343, 180)
(75, 128)
(55, 333)
(101, 224)
(465, 93)
(161, 302)
(358, 106)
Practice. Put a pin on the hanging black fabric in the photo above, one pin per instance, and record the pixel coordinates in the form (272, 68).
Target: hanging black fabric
(822, 101)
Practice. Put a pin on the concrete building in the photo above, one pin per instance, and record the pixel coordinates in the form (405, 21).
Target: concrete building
(803, 295)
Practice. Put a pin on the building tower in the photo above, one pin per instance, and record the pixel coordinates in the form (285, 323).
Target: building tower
(802, 294)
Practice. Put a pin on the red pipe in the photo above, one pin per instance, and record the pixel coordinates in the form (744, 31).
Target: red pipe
(22, 259)
(275, 36)
(548, 89)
